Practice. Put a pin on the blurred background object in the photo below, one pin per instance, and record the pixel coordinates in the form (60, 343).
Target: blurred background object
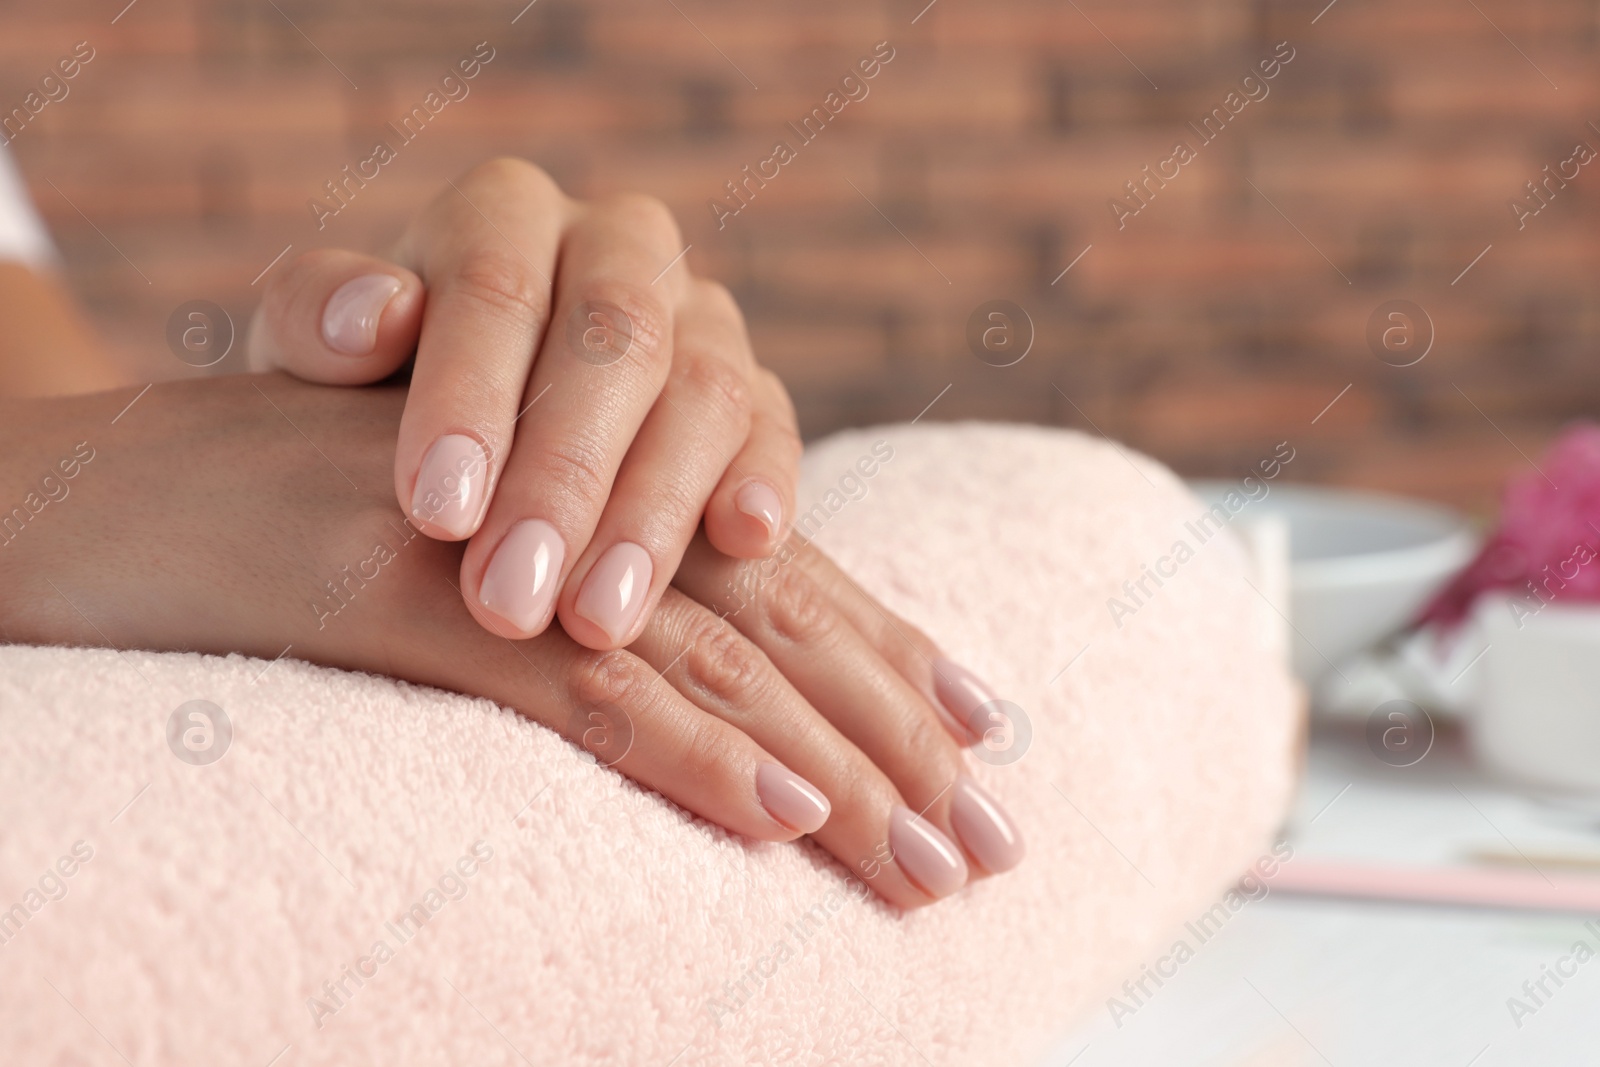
(1226, 315)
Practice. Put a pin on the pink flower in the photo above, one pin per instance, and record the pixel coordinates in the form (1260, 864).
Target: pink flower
(1548, 541)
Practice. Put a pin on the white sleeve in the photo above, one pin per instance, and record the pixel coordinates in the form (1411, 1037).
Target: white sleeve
(22, 234)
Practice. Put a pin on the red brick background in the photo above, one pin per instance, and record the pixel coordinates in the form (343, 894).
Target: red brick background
(1225, 316)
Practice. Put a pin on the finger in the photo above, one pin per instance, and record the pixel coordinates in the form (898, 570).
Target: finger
(966, 704)
(701, 417)
(337, 317)
(623, 712)
(747, 513)
(603, 362)
(611, 704)
(721, 671)
(487, 250)
(794, 621)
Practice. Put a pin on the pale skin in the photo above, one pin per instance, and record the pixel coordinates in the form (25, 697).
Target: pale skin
(205, 521)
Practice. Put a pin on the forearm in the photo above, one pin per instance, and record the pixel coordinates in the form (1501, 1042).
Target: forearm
(47, 347)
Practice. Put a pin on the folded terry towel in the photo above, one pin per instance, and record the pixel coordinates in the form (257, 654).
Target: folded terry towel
(379, 873)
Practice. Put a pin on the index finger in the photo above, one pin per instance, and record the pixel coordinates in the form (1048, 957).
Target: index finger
(487, 251)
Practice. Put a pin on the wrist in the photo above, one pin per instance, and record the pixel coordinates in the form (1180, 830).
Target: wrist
(45, 451)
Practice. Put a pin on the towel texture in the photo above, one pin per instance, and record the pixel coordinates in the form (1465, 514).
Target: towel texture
(378, 873)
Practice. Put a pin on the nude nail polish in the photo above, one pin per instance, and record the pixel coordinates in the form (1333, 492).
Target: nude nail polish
(928, 858)
(615, 589)
(449, 495)
(985, 830)
(760, 501)
(519, 585)
(961, 693)
(790, 799)
(350, 320)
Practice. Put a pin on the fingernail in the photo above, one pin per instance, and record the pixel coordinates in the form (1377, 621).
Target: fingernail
(984, 827)
(350, 321)
(450, 486)
(961, 693)
(614, 591)
(790, 799)
(520, 582)
(928, 857)
(760, 501)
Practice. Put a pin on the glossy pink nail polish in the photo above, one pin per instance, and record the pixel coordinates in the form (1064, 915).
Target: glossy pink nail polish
(449, 495)
(519, 585)
(961, 693)
(928, 858)
(790, 799)
(760, 501)
(985, 830)
(615, 589)
(350, 320)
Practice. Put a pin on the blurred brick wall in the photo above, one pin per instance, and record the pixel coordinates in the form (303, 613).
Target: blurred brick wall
(1223, 318)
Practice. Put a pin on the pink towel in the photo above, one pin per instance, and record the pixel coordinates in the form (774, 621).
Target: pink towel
(378, 873)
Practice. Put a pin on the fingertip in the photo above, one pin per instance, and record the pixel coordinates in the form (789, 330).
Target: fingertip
(339, 318)
(450, 492)
(352, 315)
(794, 803)
(513, 593)
(737, 535)
(613, 598)
(760, 502)
(748, 524)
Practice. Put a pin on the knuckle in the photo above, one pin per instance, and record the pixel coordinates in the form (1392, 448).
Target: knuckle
(574, 467)
(601, 678)
(513, 171)
(503, 283)
(290, 293)
(724, 666)
(649, 319)
(708, 751)
(797, 610)
(781, 409)
(785, 437)
(648, 214)
(720, 384)
(303, 271)
(716, 298)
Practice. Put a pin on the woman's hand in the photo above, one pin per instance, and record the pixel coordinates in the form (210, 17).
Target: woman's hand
(252, 514)
(578, 399)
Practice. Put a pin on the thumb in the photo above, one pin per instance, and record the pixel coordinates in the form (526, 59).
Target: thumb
(337, 317)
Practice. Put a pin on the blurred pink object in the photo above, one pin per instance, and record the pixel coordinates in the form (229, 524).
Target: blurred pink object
(1549, 533)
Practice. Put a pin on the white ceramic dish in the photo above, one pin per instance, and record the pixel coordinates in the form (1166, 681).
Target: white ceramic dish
(1360, 564)
(1537, 715)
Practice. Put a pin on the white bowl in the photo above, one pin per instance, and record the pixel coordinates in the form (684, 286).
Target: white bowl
(1361, 564)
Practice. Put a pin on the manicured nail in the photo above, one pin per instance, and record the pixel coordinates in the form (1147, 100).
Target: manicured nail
(350, 321)
(961, 693)
(449, 495)
(519, 584)
(614, 591)
(984, 827)
(928, 857)
(760, 501)
(790, 799)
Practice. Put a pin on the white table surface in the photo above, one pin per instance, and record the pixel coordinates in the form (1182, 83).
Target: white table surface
(1295, 980)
